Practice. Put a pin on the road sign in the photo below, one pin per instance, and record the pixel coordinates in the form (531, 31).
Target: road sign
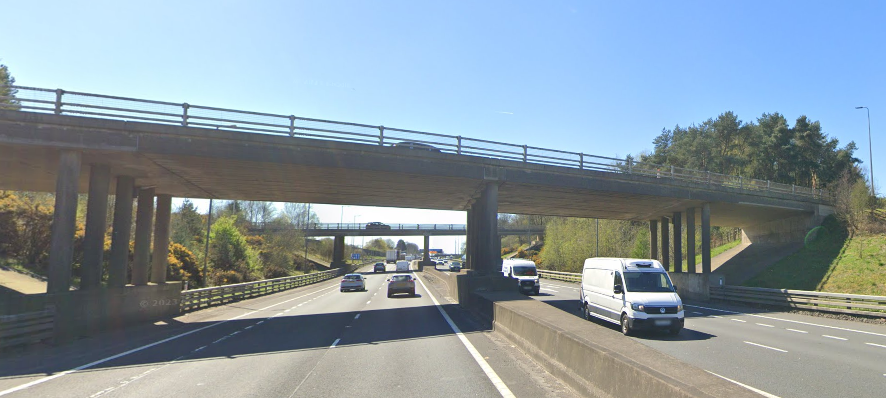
(355, 256)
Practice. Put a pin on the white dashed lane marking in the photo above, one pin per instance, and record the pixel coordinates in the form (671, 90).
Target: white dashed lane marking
(834, 337)
(765, 346)
(876, 345)
(738, 320)
(796, 331)
(763, 324)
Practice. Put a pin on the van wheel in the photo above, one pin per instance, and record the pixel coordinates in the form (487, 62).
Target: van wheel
(586, 312)
(676, 330)
(625, 327)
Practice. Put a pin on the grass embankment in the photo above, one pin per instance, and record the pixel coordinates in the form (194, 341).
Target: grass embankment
(715, 251)
(835, 263)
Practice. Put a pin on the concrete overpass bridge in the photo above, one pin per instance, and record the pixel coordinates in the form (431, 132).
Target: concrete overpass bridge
(70, 143)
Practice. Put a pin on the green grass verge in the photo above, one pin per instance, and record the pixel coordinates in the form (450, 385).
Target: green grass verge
(832, 263)
(715, 251)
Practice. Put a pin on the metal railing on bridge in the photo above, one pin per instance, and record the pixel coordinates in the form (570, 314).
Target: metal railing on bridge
(62, 102)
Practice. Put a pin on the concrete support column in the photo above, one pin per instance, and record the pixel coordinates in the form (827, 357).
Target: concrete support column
(160, 255)
(706, 238)
(120, 232)
(690, 241)
(665, 243)
(338, 252)
(64, 219)
(144, 218)
(653, 239)
(470, 233)
(678, 242)
(490, 241)
(96, 225)
(427, 256)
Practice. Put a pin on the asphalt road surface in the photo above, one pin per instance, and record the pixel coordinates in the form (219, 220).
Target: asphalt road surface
(308, 342)
(782, 354)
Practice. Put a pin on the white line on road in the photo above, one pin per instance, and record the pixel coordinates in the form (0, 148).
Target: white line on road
(876, 345)
(490, 373)
(357, 316)
(368, 301)
(790, 320)
(763, 324)
(765, 346)
(334, 343)
(833, 337)
(738, 320)
(758, 391)
(696, 312)
(797, 331)
(146, 346)
(550, 290)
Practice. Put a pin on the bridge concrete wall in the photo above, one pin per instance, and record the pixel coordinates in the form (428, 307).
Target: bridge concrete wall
(692, 286)
(601, 365)
(785, 230)
(80, 313)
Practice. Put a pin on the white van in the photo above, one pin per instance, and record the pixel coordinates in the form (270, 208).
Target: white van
(402, 266)
(635, 293)
(524, 272)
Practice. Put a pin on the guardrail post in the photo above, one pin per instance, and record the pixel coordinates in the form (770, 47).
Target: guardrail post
(381, 135)
(740, 183)
(458, 147)
(291, 125)
(524, 153)
(709, 177)
(767, 184)
(630, 166)
(185, 107)
(793, 189)
(58, 100)
(581, 161)
(672, 171)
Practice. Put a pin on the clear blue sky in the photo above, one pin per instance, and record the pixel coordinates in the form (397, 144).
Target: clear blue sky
(598, 77)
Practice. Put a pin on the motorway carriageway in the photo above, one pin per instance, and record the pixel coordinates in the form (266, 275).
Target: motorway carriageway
(311, 341)
(777, 353)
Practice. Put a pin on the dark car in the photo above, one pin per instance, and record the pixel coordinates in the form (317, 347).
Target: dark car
(401, 283)
(417, 145)
(379, 267)
(377, 225)
(454, 266)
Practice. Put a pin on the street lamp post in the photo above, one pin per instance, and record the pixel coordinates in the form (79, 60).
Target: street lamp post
(870, 150)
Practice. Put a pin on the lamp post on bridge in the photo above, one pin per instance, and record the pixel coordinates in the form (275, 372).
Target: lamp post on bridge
(870, 150)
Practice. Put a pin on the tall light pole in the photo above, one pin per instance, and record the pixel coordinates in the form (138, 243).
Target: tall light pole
(870, 149)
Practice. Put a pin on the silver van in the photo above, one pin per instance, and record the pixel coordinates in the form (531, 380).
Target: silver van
(636, 294)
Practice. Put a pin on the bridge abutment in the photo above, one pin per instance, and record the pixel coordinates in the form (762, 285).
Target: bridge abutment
(665, 243)
(338, 252)
(96, 224)
(706, 238)
(678, 242)
(690, 241)
(653, 239)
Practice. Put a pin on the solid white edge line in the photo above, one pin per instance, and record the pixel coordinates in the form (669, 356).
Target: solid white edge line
(490, 373)
(790, 320)
(765, 346)
(146, 346)
(756, 390)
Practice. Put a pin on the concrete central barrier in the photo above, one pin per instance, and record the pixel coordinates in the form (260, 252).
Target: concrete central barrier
(595, 364)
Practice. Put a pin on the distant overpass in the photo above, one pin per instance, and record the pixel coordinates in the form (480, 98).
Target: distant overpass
(340, 229)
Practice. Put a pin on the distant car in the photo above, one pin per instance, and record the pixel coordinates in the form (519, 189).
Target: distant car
(353, 282)
(440, 263)
(401, 283)
(417, 145)
(379, 267)
(454, 266)
(377, 225)
(402, 266)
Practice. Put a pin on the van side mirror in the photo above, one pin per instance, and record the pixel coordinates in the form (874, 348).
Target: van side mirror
(675, 287)
(617, 289)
